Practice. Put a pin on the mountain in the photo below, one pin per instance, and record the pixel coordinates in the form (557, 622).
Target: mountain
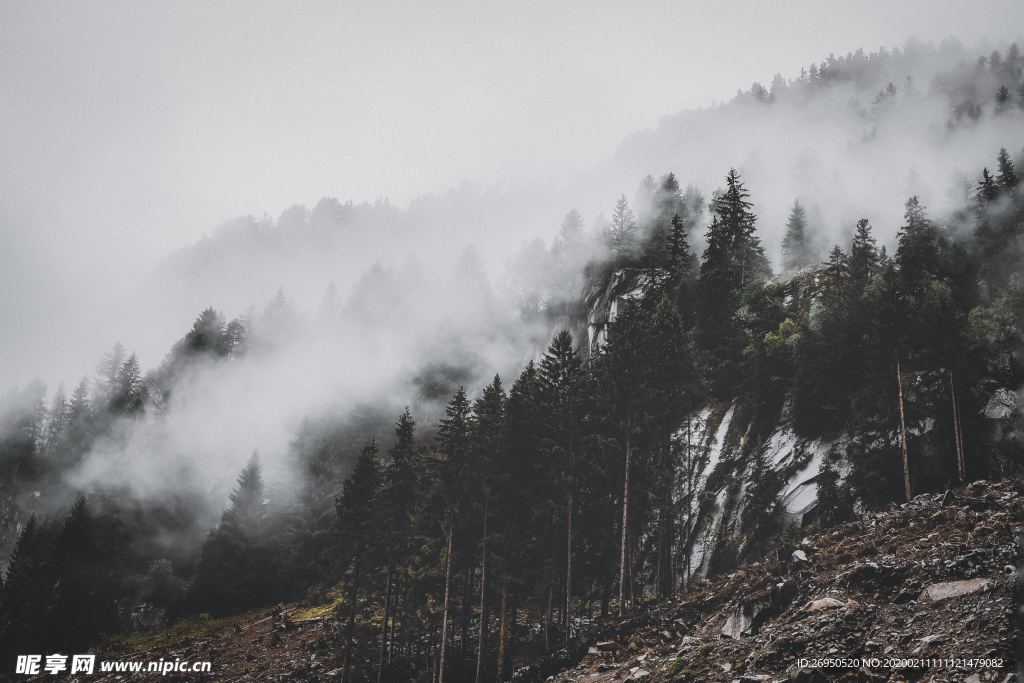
(463, 461)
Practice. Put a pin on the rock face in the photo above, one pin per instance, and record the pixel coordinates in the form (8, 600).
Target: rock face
(924, 580)
(720, 457)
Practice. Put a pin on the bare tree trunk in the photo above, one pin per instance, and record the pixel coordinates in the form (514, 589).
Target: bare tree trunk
(444, 605)
(395, 613)
(384, 629)
(623, 576)
(350, 626)
(958, 436)
(568, 568)
(467, 589)
(481, 649)
(903, 435)
(503, 631)
(547, 611)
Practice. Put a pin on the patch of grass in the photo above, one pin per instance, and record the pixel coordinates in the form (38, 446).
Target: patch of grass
(198, 627)
(317, 611)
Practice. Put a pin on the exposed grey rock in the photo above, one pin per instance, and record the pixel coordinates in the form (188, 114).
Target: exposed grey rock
(822, 603)
(952, 589)
(1001, 404)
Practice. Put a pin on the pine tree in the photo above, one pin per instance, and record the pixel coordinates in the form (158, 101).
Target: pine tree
(487, 445)
(560, 370)
(796, 245)
(107, 372)
(622, 228)
(682, 263)
(129, 389)
(453, 437)
(58, 418)
(864, 258)
(917, 253)
(24, 592)
(987, 190)
(518, 507)
(80, 605)
(206, 335)
(1002, 98)
(357, 522)
(1007, 177)
(248, 500)
(733, 266)
(239, 565)
(835, 281)
(734, 255)
(398, 498)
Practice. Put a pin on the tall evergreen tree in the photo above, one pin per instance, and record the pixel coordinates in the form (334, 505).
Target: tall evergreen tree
(487, 447)
(398, 498)
(453, 437)
(796, 245)
(560, 378)
(1007, 176)
(358, 519)
(622, 229)
(864, 258)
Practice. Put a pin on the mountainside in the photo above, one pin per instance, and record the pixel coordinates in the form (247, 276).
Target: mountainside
(932, 579)
(911, 593)
(725, 453)
(453, 467)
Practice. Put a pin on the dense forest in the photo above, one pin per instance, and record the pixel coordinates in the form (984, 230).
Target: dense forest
(553, 497)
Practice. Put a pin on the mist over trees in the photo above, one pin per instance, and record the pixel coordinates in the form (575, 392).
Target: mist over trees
(470, 517)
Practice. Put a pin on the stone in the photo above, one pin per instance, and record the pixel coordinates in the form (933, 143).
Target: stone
(741, 622)
(799, 556)
(822, 603)
(952, 589)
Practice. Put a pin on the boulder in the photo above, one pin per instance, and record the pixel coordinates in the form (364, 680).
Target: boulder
(952, 589)
(742, 621)
(822, 603)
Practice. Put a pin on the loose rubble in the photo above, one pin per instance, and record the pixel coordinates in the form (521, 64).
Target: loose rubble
(930, 579)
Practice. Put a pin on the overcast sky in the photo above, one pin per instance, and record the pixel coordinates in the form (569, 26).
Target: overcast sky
(129, 128)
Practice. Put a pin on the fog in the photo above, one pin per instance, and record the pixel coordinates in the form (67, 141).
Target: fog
(160, 159)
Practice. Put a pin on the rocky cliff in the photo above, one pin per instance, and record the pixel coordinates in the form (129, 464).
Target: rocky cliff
(722, 456)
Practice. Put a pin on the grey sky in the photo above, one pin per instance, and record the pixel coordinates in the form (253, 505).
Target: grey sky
(129, 128)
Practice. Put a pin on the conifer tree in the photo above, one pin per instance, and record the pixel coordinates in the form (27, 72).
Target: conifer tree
(1007, 177)
(129, 389)
(987, 190)
(398, 496)
(487, 446)
(58, 418)
(357, 520)
(238, 567)
(733, 264)
(107, 372)
(622, 228)
(453, 437)
(864, 258)
(734, 256)
(796, 245)
(24, 592)
(560, 370)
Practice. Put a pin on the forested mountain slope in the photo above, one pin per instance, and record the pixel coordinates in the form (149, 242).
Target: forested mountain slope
(637, 408)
